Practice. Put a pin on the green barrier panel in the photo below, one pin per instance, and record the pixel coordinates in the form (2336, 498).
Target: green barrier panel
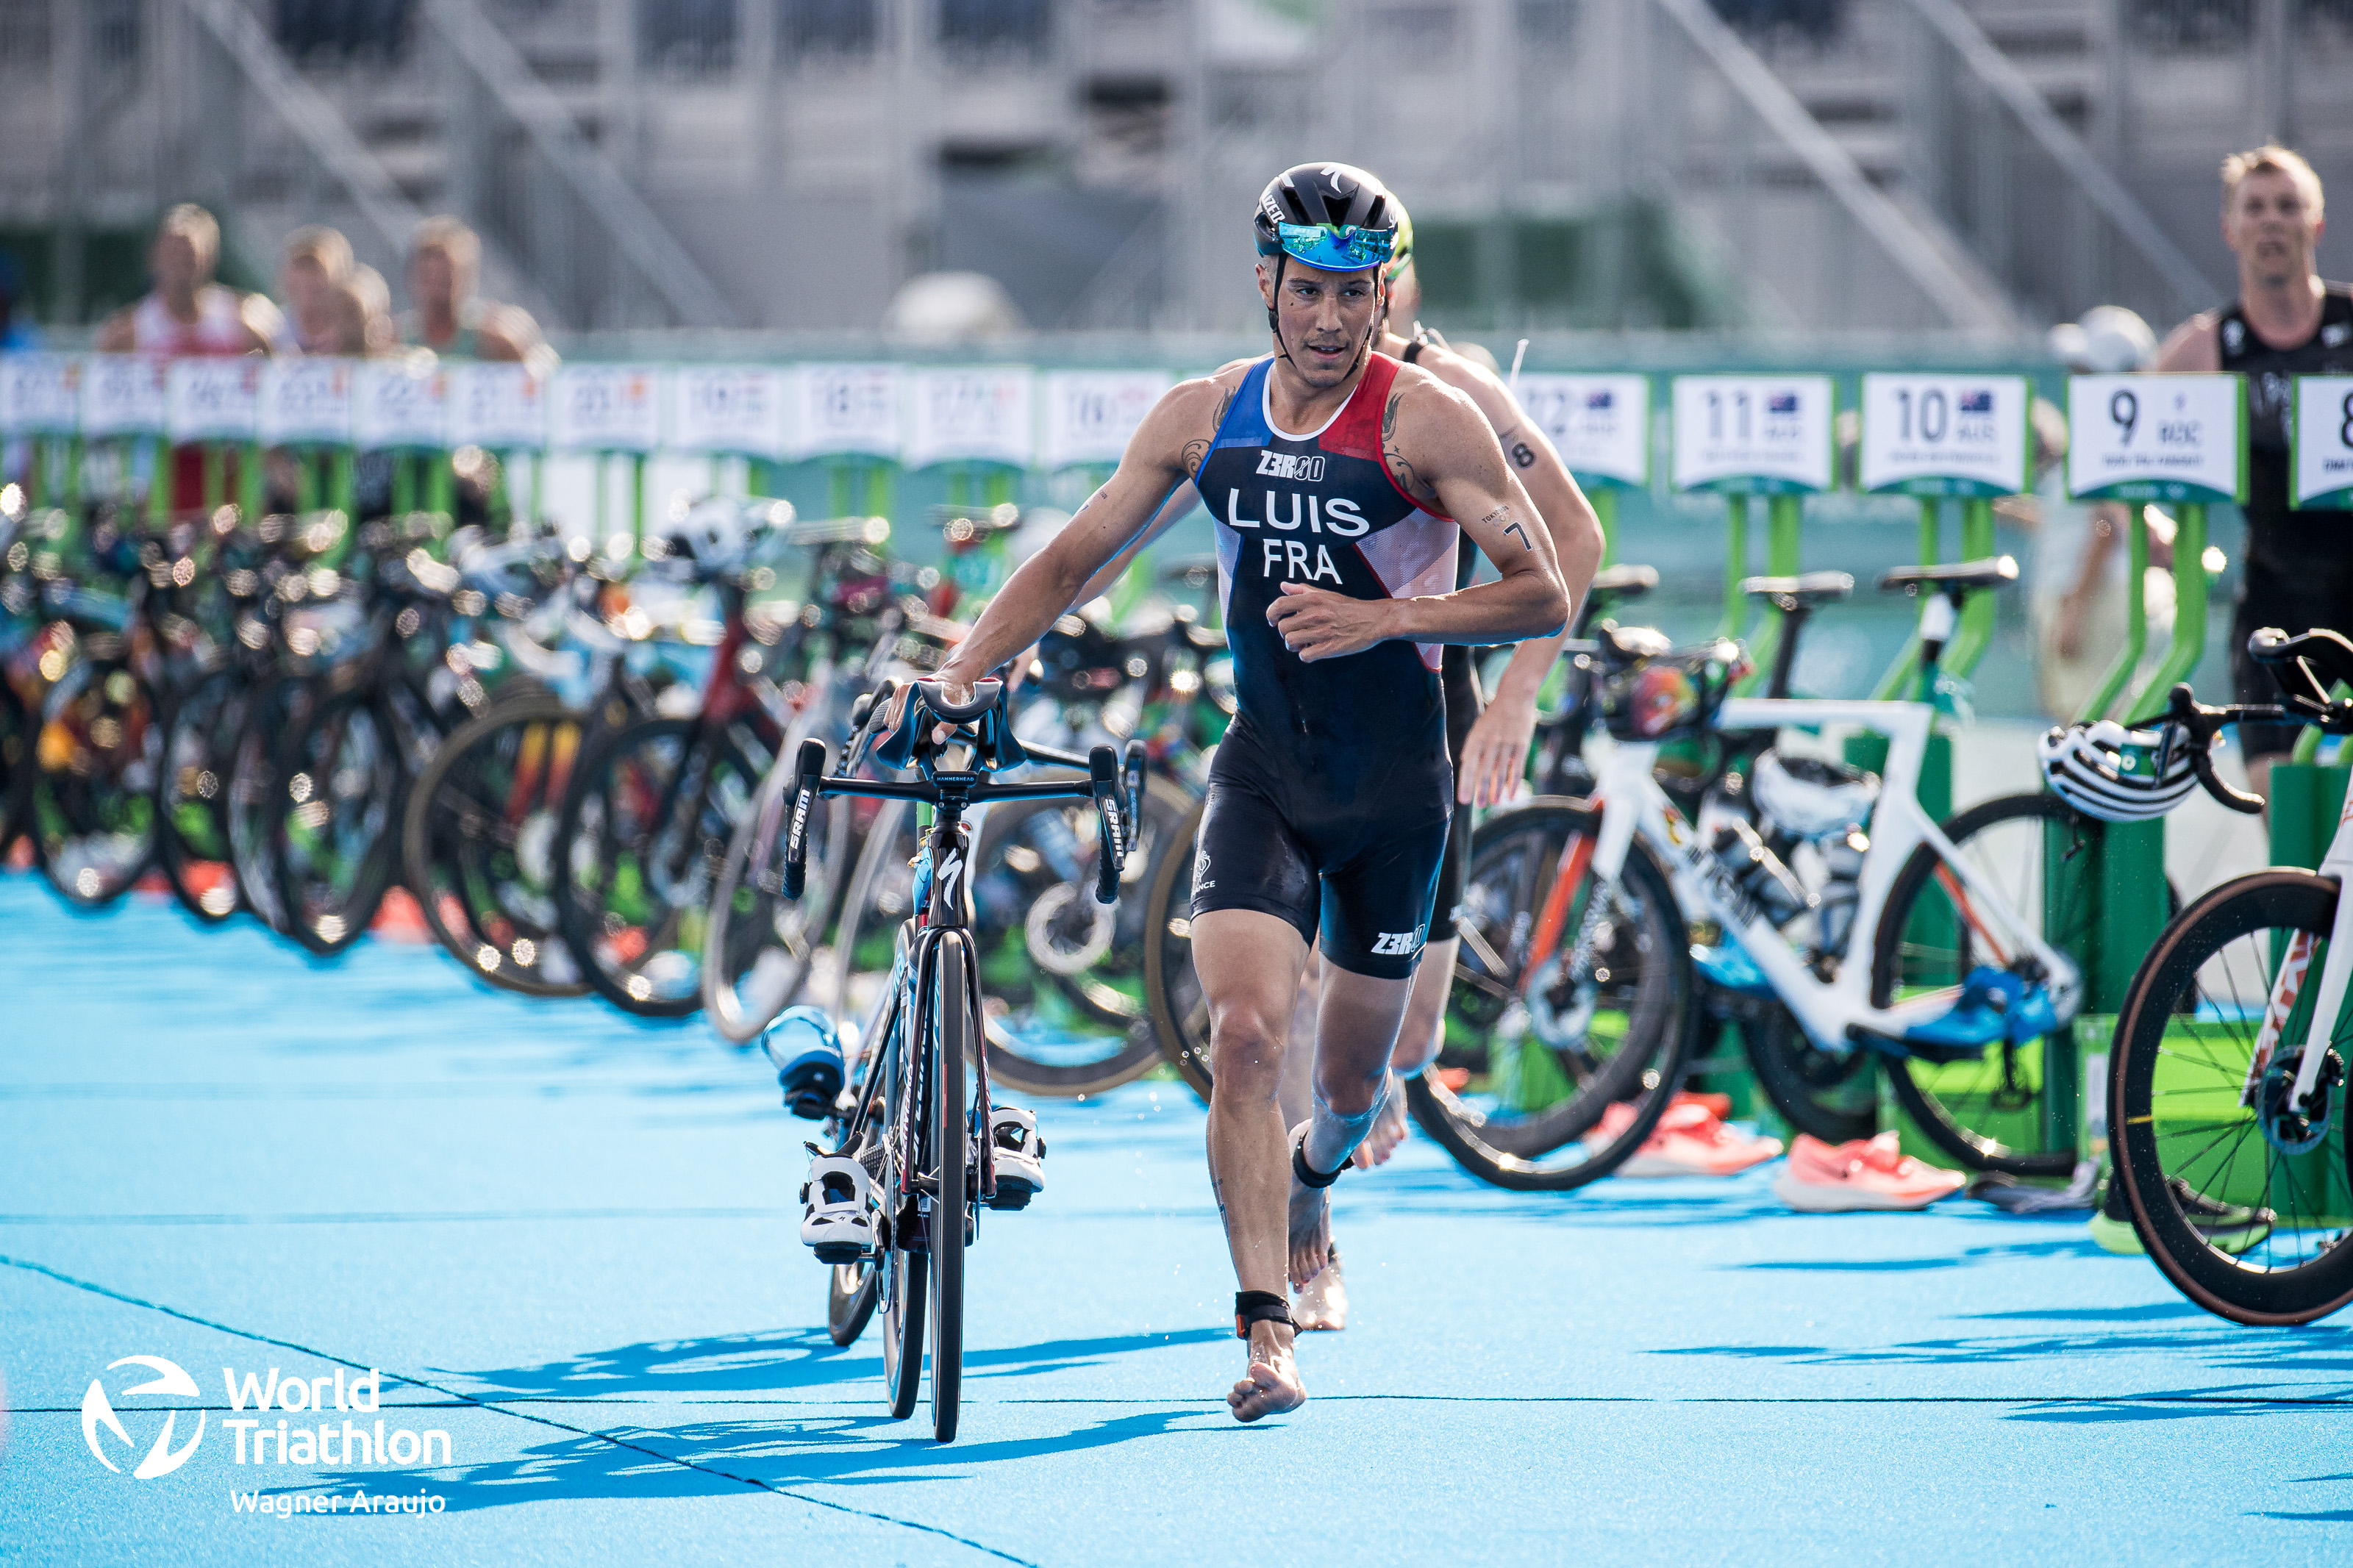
(2306, 802)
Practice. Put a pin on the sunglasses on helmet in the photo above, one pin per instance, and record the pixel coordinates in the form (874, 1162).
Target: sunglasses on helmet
(1336, 247)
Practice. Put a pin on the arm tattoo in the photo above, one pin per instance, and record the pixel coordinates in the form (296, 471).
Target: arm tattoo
(1388, 415)
(1498, 516)
(1194, 451)
(1407, 481)
(1523, 454)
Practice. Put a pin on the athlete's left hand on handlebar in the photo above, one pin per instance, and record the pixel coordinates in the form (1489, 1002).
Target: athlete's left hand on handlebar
(1496, 754)
(1316, 623)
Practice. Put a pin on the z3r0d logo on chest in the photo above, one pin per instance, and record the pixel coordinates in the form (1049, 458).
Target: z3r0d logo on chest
(1307, 468)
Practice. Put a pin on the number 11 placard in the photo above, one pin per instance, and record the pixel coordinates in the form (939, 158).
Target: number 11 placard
(2156, 438)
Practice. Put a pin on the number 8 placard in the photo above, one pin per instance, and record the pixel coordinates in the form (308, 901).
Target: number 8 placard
(2156, 438)
(2321, 436)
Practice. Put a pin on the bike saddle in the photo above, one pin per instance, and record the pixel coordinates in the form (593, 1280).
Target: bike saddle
(2315, 660)
(1624, 645)
(1958, 576)
(1624, 582)
(1788, 593)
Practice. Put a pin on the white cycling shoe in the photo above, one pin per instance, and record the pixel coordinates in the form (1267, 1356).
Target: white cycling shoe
(837, 1208)
(1020, 1156)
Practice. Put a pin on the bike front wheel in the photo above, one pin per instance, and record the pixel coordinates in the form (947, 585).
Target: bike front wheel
(2242, 1194)
(952, 1206)
(1988, 1112)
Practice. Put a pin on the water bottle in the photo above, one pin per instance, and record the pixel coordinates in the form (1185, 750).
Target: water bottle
(1841, 892)
(1758, 873)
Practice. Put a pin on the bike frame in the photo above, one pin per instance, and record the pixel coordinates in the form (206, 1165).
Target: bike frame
(2295, 968)
(1836, 1013)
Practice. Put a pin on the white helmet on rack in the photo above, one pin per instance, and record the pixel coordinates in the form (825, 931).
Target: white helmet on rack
(2117, 775)
(719, 533)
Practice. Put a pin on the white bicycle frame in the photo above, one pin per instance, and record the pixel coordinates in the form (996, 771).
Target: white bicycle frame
(2295, 966)
(1826, 1009)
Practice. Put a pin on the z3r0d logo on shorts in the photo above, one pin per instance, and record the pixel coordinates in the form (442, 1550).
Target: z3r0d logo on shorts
(98, 1411)
(1397, 944)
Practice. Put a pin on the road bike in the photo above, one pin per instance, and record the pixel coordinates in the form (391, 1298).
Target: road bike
(2227, 1080)
(908, 1115)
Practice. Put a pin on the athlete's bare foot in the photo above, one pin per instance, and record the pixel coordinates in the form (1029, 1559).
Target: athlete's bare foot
(1310, 1225)
(1323, 1304)
(1271, 1385)
(1388, 1131)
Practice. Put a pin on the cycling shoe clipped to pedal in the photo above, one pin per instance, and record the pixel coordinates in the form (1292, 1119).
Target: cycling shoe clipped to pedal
(808, 1055)
(1995, 1006)
(1019, 1154)
(837, 1208)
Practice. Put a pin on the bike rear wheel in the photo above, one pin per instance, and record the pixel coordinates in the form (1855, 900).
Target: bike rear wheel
(478, 846)
(1536, 1063)
(1988, 1112)
(93, 803)
(2186, 1137)
(192, 795)
(346, 776)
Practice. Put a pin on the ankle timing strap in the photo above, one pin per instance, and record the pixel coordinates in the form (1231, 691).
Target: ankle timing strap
(1258, 1307)
(1308, 1178)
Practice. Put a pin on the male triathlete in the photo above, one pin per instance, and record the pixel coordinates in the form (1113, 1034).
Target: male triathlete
(310, 280)
(445, 264)
(189, 314)
(1488, 741)
(2285, 322)
(1329, 796)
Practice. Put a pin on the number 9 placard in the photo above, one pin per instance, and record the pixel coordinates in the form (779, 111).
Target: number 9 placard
(2156, 438)
(1944, 435)
(2320, 435)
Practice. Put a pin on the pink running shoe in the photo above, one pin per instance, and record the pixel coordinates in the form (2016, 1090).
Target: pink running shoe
(1690, 1140)
(1867, 1173)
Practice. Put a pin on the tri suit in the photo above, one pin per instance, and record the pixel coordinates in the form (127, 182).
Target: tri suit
(1331, 793)
(2299, 565)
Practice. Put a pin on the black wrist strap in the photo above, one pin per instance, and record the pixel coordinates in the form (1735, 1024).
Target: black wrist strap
(1308, 1178)
(1260, 1306)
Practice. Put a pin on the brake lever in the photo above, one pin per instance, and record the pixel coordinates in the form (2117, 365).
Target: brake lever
(2199, 725)
(808, 776)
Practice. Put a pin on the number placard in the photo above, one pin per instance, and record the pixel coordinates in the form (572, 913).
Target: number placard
(606, 408)
(498, 408)
(1599, 424)
(1758, 435)
(848, 410)
(1091, 414)
(2320, 441)
(1945, 435)
(2165, 437)
(400, 403)
(213, 399)
(980, 413)
(307, 402)
(122, 394)
(741, 410)
(40, 395)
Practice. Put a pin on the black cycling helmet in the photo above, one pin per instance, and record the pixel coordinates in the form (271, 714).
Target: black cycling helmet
(1336, 195)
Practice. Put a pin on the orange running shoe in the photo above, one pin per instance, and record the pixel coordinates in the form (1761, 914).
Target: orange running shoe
(1867, 1173)
(1690, 1140)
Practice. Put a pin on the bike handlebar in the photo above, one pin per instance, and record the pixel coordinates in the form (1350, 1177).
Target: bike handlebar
(2184, 716)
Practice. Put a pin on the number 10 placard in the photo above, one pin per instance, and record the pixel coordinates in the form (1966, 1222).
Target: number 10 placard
(1945, 435)
(2156, 438)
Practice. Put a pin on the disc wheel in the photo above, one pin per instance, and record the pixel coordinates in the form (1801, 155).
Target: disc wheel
(646, 825)
(953, 1209)
(2195, 1122)
(93, 798)
(479, 845)
(1824, 1094)
(1989, 1112)
(1549, 1078)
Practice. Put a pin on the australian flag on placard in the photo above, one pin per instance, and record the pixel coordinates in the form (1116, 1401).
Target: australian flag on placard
(1977, 401)
(1604, 398)
(1781, 403)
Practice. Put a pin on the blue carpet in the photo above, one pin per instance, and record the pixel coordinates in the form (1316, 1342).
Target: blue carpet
(567, 1238)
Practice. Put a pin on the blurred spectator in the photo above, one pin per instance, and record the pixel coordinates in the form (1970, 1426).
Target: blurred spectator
(363, 307)
(16, 336)
(187, 312)
(444, 270)
(318, 263)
